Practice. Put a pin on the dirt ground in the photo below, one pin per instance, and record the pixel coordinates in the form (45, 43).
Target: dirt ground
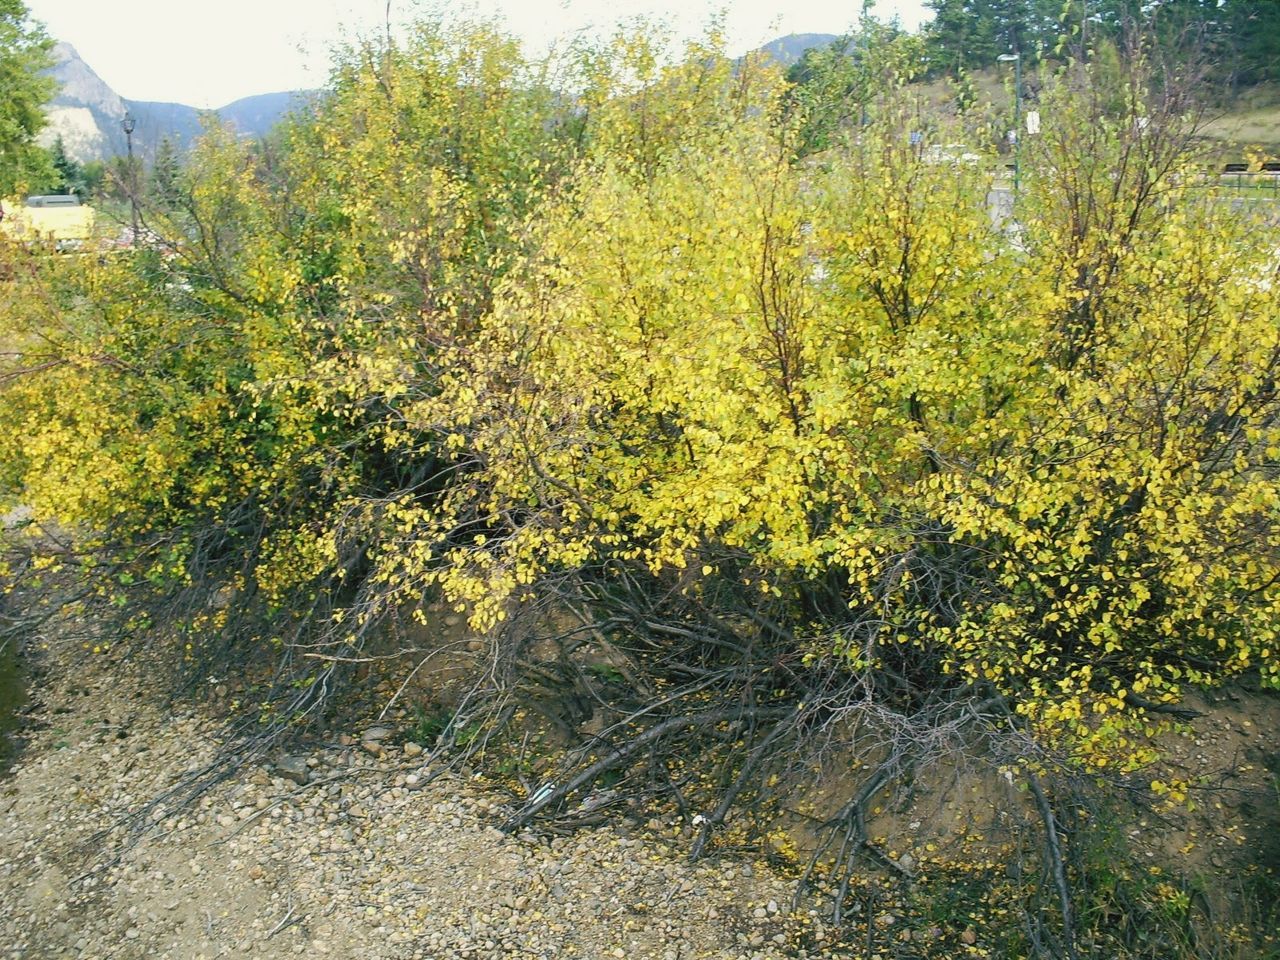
(361, 861)
(354, 850)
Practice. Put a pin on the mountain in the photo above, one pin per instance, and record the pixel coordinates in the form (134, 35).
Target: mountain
(86, 113)
(787, 50)
(155, 121)
(254, 116)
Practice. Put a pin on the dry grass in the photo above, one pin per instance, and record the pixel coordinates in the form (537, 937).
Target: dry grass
(1251, 119)
(1235, 123)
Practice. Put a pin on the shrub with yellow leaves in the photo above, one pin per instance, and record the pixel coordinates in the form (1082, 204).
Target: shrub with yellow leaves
(808, 441)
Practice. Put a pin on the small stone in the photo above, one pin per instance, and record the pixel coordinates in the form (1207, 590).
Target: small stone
(293, 768)
(907, 862)
(376, 733)
(132, 933)
(372, 747)
(412, 749)
(969, 937)
(772, 906)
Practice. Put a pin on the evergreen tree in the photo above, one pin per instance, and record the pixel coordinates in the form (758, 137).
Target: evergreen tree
(971, 34)
(1253, 27)
(961, 37)
(68, 173)
(166, 174)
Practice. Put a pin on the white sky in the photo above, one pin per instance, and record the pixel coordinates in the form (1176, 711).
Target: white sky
(207, 53)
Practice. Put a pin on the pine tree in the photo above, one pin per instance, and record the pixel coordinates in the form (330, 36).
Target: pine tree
(68, 173)
(166, 173)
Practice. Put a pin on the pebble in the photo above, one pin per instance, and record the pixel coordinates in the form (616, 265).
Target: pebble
(382, 864)
(293, 768)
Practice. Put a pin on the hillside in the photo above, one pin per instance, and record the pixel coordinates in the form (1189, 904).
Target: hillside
(254, 116)
(1252, 117)
(1233, 121)
(787, 50)
(86, 113)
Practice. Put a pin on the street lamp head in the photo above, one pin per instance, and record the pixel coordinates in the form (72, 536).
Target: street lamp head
(127, 123)
(1009, 57)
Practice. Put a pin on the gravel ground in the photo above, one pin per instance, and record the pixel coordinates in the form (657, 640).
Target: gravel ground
(365, 860)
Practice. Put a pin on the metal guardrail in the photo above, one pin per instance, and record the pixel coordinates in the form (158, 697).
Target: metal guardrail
(1263, 181)
(1261, 186)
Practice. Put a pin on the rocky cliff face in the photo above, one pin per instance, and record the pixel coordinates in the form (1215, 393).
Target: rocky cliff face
(81, 87)
(86, 113)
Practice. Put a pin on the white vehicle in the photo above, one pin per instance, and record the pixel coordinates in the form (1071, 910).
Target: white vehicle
(950, 153)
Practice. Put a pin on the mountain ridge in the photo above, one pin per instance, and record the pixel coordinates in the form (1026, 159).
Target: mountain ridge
(790, 48)
(87, 113)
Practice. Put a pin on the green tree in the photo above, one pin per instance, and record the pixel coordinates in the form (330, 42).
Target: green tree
(166, 175)
(94, 173)
(68, 173)
(1255, 28)
(24, 52)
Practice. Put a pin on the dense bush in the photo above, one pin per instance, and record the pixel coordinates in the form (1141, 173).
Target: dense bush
(806, 442)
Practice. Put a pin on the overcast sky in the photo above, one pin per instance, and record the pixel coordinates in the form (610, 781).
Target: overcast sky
(207, 53)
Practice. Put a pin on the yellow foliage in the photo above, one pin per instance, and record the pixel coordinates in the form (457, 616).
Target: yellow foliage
(456, 334)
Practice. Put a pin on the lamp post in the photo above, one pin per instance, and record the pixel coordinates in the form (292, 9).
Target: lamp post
(127, 124)
(1016, 60)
